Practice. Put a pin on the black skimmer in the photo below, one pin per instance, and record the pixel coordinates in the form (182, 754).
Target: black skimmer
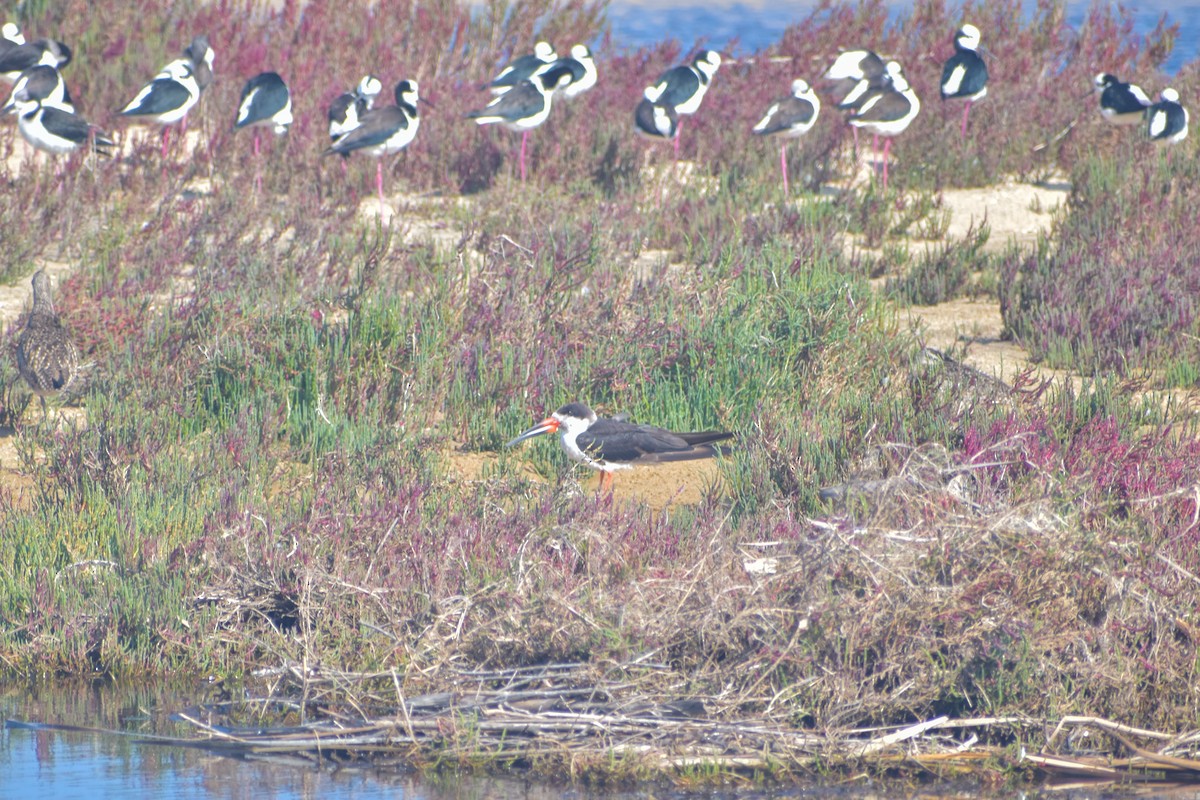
(888, 112)
(17, 59)
(347, 108)
(965, 75)
(655, 119)
(523, 68)
(1167, 120)
(44, 83)
(683, 87)
(608, 445)
(46, 357)
(55, 130)
(383, 131)
(580, 66)
(1121, 103)
(790, 117)
(10, 37)
(523, 107)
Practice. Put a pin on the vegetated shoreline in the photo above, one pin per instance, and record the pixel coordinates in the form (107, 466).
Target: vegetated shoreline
(261, 492)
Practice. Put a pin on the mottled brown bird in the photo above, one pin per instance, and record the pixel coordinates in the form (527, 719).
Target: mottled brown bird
(46, 357)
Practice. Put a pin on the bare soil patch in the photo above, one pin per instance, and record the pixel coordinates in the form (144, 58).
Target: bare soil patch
(660, 487)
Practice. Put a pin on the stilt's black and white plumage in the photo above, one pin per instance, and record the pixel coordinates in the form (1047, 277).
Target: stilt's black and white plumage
(523, 107)
(42, 51)
(55, 130)
(655, 120)
(581, 68)
(888, 112)
(266, 102)
(1121, 103)
(683, 87)
(853, 74)
(384, 131)
(523, 68)
(10, 37)
(348, 108)
(965, 75)
(44, 83)
(1167, 120)
(169, 97)
(201, 55)
(608, 445)
(790, 117)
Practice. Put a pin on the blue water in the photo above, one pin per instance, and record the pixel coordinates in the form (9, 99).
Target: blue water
(746, 27)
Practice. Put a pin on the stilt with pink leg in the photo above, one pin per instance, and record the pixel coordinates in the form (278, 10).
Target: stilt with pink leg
(170, 95)
(852, 78)
(790, 117)
(525, 106)
(682, 88)
(266, 103)
(383, 131)
(888, 112)
(965, 75)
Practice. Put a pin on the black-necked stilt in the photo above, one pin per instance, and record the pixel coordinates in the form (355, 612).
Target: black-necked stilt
(167, 99)
(177, 87)
(10, 37)
(655, 119)
(42, 51)
(790, 117)
(854, 75)
(523, 68)
(683, 87)
(580, 66)
(523, 107)
(608, 445)
(266, 102)
(46, 356)
(347, 108)
(1121, 103)
(888, 111)
(965, 75)
(1167, 120)
(383, 131)
(44, 83)
(201, 55)
(55, 130)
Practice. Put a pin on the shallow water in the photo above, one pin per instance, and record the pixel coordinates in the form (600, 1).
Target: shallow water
(109, 766)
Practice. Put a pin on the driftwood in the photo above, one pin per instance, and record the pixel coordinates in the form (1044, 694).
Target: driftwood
(556, 717)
